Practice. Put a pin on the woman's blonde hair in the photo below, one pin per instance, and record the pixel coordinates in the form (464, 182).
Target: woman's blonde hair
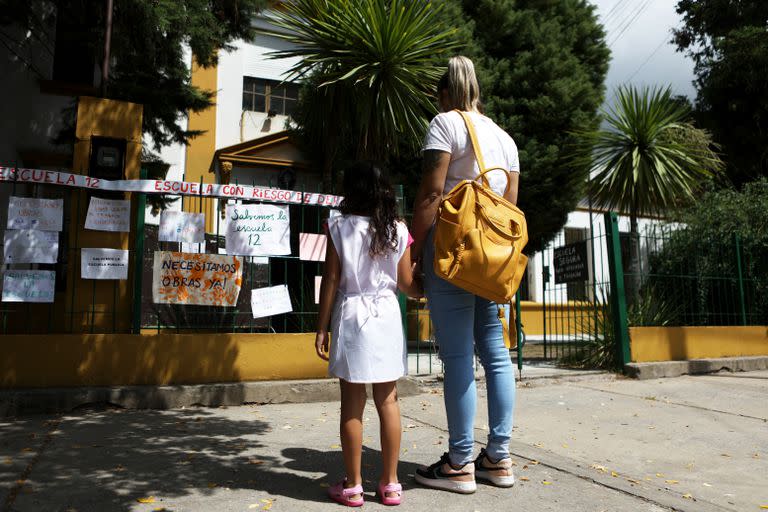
(460, 82)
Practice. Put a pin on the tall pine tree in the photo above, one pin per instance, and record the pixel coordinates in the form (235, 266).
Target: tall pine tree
(546, 62)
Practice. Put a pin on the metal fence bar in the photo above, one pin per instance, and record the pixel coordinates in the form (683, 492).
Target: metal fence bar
(618, 299)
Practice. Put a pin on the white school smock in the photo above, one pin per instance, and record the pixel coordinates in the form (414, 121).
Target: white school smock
(367, 342)
(448, 132)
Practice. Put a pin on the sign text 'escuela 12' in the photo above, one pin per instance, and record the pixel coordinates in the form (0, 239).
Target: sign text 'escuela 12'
(273, 195)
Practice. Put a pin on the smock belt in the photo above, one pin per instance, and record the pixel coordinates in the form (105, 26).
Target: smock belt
(366, 306)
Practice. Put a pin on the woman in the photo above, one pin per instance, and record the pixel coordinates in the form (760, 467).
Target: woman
(460, 317)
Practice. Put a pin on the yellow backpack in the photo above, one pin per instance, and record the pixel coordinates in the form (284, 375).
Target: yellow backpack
(480, 236)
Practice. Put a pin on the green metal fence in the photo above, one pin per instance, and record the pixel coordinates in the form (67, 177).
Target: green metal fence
(673, 279)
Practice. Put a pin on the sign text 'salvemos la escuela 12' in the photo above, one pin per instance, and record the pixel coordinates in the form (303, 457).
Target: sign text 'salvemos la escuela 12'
(273, 195)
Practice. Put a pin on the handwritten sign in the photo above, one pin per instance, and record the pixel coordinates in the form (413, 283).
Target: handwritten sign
(30, 246)
(205, 279)
(571, 263)
(65, 179)
(312, 247)
(258, 230)
(104, 264)
(273, 300)
(182, 227)
(193, 248)
(32, 213)
(109, 215)
(29, 285)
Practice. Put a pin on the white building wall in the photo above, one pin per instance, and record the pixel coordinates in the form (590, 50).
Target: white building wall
(596, 241)
(233, 125)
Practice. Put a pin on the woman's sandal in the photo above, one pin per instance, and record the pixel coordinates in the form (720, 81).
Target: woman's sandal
(390, 489)
(342, 495)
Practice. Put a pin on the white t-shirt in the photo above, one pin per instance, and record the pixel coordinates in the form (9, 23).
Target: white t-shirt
(447, 132)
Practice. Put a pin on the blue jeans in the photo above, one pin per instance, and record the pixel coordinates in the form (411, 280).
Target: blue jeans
(459, 317)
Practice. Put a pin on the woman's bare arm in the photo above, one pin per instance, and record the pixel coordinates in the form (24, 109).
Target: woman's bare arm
(434, 171)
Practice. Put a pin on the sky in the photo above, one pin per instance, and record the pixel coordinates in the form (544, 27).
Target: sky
(638, 34)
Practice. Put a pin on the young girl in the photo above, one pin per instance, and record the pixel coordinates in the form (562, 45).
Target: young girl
(368, 258)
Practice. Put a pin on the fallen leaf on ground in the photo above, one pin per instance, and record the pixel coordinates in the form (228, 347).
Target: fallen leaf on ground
(660, 475)
(255, 461)
(534, 463)
(211, 485)
(150, 499)
(724, 455)
(524, 478)
(599, 468)
(546, 482)
(706, 484)
(764, 507)
(672, 481)
(633, 481)
(538, 445)
(687, 496)
(335, 446)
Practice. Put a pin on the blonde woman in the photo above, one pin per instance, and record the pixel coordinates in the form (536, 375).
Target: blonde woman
(463, 320)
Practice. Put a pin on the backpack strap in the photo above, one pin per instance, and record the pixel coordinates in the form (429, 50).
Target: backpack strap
(479, 155)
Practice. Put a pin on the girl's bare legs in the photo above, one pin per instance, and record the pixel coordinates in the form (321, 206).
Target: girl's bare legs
(385, 397)
(351, 430)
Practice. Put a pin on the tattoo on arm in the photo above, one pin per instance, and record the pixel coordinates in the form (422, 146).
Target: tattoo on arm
(430, 160)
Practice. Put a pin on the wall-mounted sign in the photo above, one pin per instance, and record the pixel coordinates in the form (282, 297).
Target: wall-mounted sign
(258, 230)
(32, 213)
(273, 300)
(206, 279)
(104, 264)
(182, 227)
(571, 263)
(30, 246)
(312, 247)
(109, 215)
(29, 285)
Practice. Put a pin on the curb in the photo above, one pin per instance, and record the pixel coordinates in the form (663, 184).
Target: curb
(644, 371)
(61, 400)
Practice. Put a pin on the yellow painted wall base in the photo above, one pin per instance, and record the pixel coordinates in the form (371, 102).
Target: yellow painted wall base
(682, 343)
(126, 359)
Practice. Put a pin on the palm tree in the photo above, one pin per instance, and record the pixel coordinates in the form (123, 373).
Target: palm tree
(648, 158)
(371, 66)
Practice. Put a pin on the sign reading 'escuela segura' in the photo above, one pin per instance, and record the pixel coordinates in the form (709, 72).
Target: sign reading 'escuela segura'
(571, 263)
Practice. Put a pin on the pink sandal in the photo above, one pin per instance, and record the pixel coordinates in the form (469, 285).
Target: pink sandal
(390, 488)
(344, 496)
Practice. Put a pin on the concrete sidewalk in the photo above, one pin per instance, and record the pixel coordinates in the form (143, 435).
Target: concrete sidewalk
(594, 444)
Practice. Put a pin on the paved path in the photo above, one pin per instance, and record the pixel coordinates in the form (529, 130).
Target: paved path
(596, 444)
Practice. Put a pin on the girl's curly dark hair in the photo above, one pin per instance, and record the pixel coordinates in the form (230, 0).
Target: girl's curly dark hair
(367, 192)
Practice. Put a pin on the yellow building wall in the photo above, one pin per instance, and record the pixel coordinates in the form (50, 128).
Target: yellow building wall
(156, 359)
(650, 344)
(93, 301)
(200, 149)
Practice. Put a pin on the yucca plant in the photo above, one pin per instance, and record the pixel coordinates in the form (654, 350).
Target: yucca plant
(647, 159)
(372, 65)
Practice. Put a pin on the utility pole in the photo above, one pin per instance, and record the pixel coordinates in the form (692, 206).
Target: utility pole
(107, 44)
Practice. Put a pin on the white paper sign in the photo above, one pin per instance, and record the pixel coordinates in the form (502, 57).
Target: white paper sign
(318, 284)
(30, 246)
(31, 213)
(193, 248)
(109, 215)
(182, 227)
(273, 300)
(29, 285)
(312, 247)
(104, 264)
(258, 230)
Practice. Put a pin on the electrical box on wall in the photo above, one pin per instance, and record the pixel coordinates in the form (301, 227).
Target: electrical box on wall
(107, 162)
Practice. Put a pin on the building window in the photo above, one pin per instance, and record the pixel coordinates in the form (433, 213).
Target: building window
(260, 95)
